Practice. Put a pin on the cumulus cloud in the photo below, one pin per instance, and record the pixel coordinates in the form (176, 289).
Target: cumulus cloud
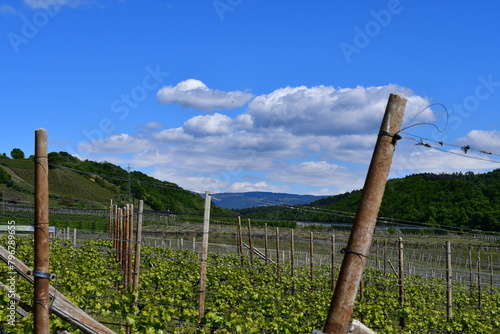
(324, 110)
(195, 94)
(482, 140)
(294, 139)
(119, 143)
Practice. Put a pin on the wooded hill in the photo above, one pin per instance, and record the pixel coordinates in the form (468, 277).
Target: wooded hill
(464, 200)
(73, 182)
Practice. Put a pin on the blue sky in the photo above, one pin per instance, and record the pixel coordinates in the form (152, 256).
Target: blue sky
(239, 95)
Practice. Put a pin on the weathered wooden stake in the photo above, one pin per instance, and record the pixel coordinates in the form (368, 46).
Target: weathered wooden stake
(130, 246)
(138, 241)
(292, 253)
(204, 256)
(333, 262)
(250, 241)
(41, 227)
(278, 269)
(240, 242)
(479, 292)
(359, 242)
(449, 277)
(266, 244)
(401, 281)
(311, 262)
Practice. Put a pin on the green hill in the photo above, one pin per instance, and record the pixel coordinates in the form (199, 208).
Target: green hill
(467, 200)
(73, 182)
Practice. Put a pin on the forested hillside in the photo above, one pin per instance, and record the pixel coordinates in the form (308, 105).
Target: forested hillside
(461, 200)
(76, 182)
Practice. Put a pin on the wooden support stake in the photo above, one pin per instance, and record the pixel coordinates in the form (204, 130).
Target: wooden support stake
(333, 263)
(204, 257)
(111, 220)
(449, 277)
(311, 262)
(359, 242)
(130, 246)
(278, 269)
(41, 248)
(266, 244)
(292, 253)
(250, 241)
(401, 281)
(479, 292)
(138, 240)
(240, 242)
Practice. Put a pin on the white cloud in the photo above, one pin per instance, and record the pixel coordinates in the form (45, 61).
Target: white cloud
(242, 187)
(44, 4)
(324, 110)
(482, 140)
(314, 140)
(321, 174)
(195, 94)
(120, 143)
(150, 126)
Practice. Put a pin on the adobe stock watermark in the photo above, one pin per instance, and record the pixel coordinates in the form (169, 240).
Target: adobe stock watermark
(122, 106)
(11, 280)
(364, 36)
(31, 27)
(223, 6)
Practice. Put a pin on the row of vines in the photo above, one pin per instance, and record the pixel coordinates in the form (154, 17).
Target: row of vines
(240, 298)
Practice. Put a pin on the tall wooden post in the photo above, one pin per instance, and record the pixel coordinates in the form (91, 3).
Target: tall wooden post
(333, 262)
(130, 246)
(138, 240)
(449, 296)
(401, 281)
(266, 244)
(311, 262)
(111, 225)
(41, 248)
(278, 269)
(240, 242)
(250, 241)
(204, 257)
(360, 239)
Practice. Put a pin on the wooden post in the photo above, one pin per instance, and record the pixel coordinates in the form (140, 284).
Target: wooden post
(250, 241)
(130, 245)
(479, 297)
(470, 272)
(292, 254)
(311, 262)
(240, 242)
(41, 227)
(111, 220)
(278, 269)
(119, 236)
(449, 277)
(138, 240)
(266, 244)
(401, 281)
(204, 256)
(333, 262)
(490, 260)
(385, 257)
(359, 242)
(74, 237)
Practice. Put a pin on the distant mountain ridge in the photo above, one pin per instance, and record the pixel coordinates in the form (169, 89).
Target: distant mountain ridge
(260, 198)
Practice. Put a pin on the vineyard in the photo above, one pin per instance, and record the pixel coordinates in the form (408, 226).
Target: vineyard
(287, 291)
